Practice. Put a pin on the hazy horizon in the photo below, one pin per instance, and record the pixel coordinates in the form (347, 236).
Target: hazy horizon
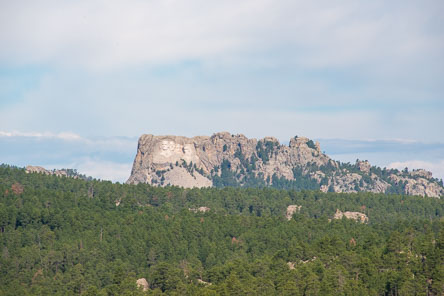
(111, 158)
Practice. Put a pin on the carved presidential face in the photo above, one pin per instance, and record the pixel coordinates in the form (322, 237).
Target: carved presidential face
(167, 145)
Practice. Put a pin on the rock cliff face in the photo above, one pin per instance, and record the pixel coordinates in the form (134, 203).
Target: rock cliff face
(234, 160)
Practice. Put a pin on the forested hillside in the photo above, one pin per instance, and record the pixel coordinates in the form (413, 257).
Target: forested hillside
(66, 236)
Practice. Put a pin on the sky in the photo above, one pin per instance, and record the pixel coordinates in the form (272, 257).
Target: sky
(80, 81)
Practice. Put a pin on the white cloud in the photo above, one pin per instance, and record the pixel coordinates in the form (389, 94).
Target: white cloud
(48, 135)
(104, 170)
(97, 142)
(107, 158)
(106, 34)
(324, 69)
(256, 59)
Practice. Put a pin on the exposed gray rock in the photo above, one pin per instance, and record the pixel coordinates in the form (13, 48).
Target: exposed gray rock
(172, 155)
(200, 209)
(142, 283)
(291, 209)
(346, 182)
(202, 282)
(419, 186)
(292, 265)
(360, 217)
(37, 169)
(197, 162)
(363, 166)
(421, 173)
(41, 170)
(179, 176)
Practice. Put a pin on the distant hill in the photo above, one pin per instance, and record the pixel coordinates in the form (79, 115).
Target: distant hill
(59, 173)
(234, 160)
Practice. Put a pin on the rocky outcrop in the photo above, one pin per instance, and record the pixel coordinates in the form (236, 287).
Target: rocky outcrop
(142, 283)
(37, 169)
(363, 166)
(202, 282)
(292, 265)
(199, 209)
(193, 162)
(418, 185)
(357, 216)
(41, 170)
(421, 173)
(292, 209)
(72, 173)
(234, 160)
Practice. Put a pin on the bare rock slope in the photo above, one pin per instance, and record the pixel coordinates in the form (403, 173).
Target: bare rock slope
(72, 173)
(42, 170)
(234, 160)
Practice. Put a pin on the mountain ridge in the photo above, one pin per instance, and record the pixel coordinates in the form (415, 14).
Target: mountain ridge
(225, 159)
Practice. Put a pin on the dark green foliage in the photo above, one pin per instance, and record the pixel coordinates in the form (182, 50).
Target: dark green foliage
(301, 182)
(227, 176)
(265, 149)
(311, 144)
(65, 236)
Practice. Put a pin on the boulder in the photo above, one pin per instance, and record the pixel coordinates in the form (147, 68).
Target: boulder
(291, 209)
(357, 216)
(200, 209)
(142, 283)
